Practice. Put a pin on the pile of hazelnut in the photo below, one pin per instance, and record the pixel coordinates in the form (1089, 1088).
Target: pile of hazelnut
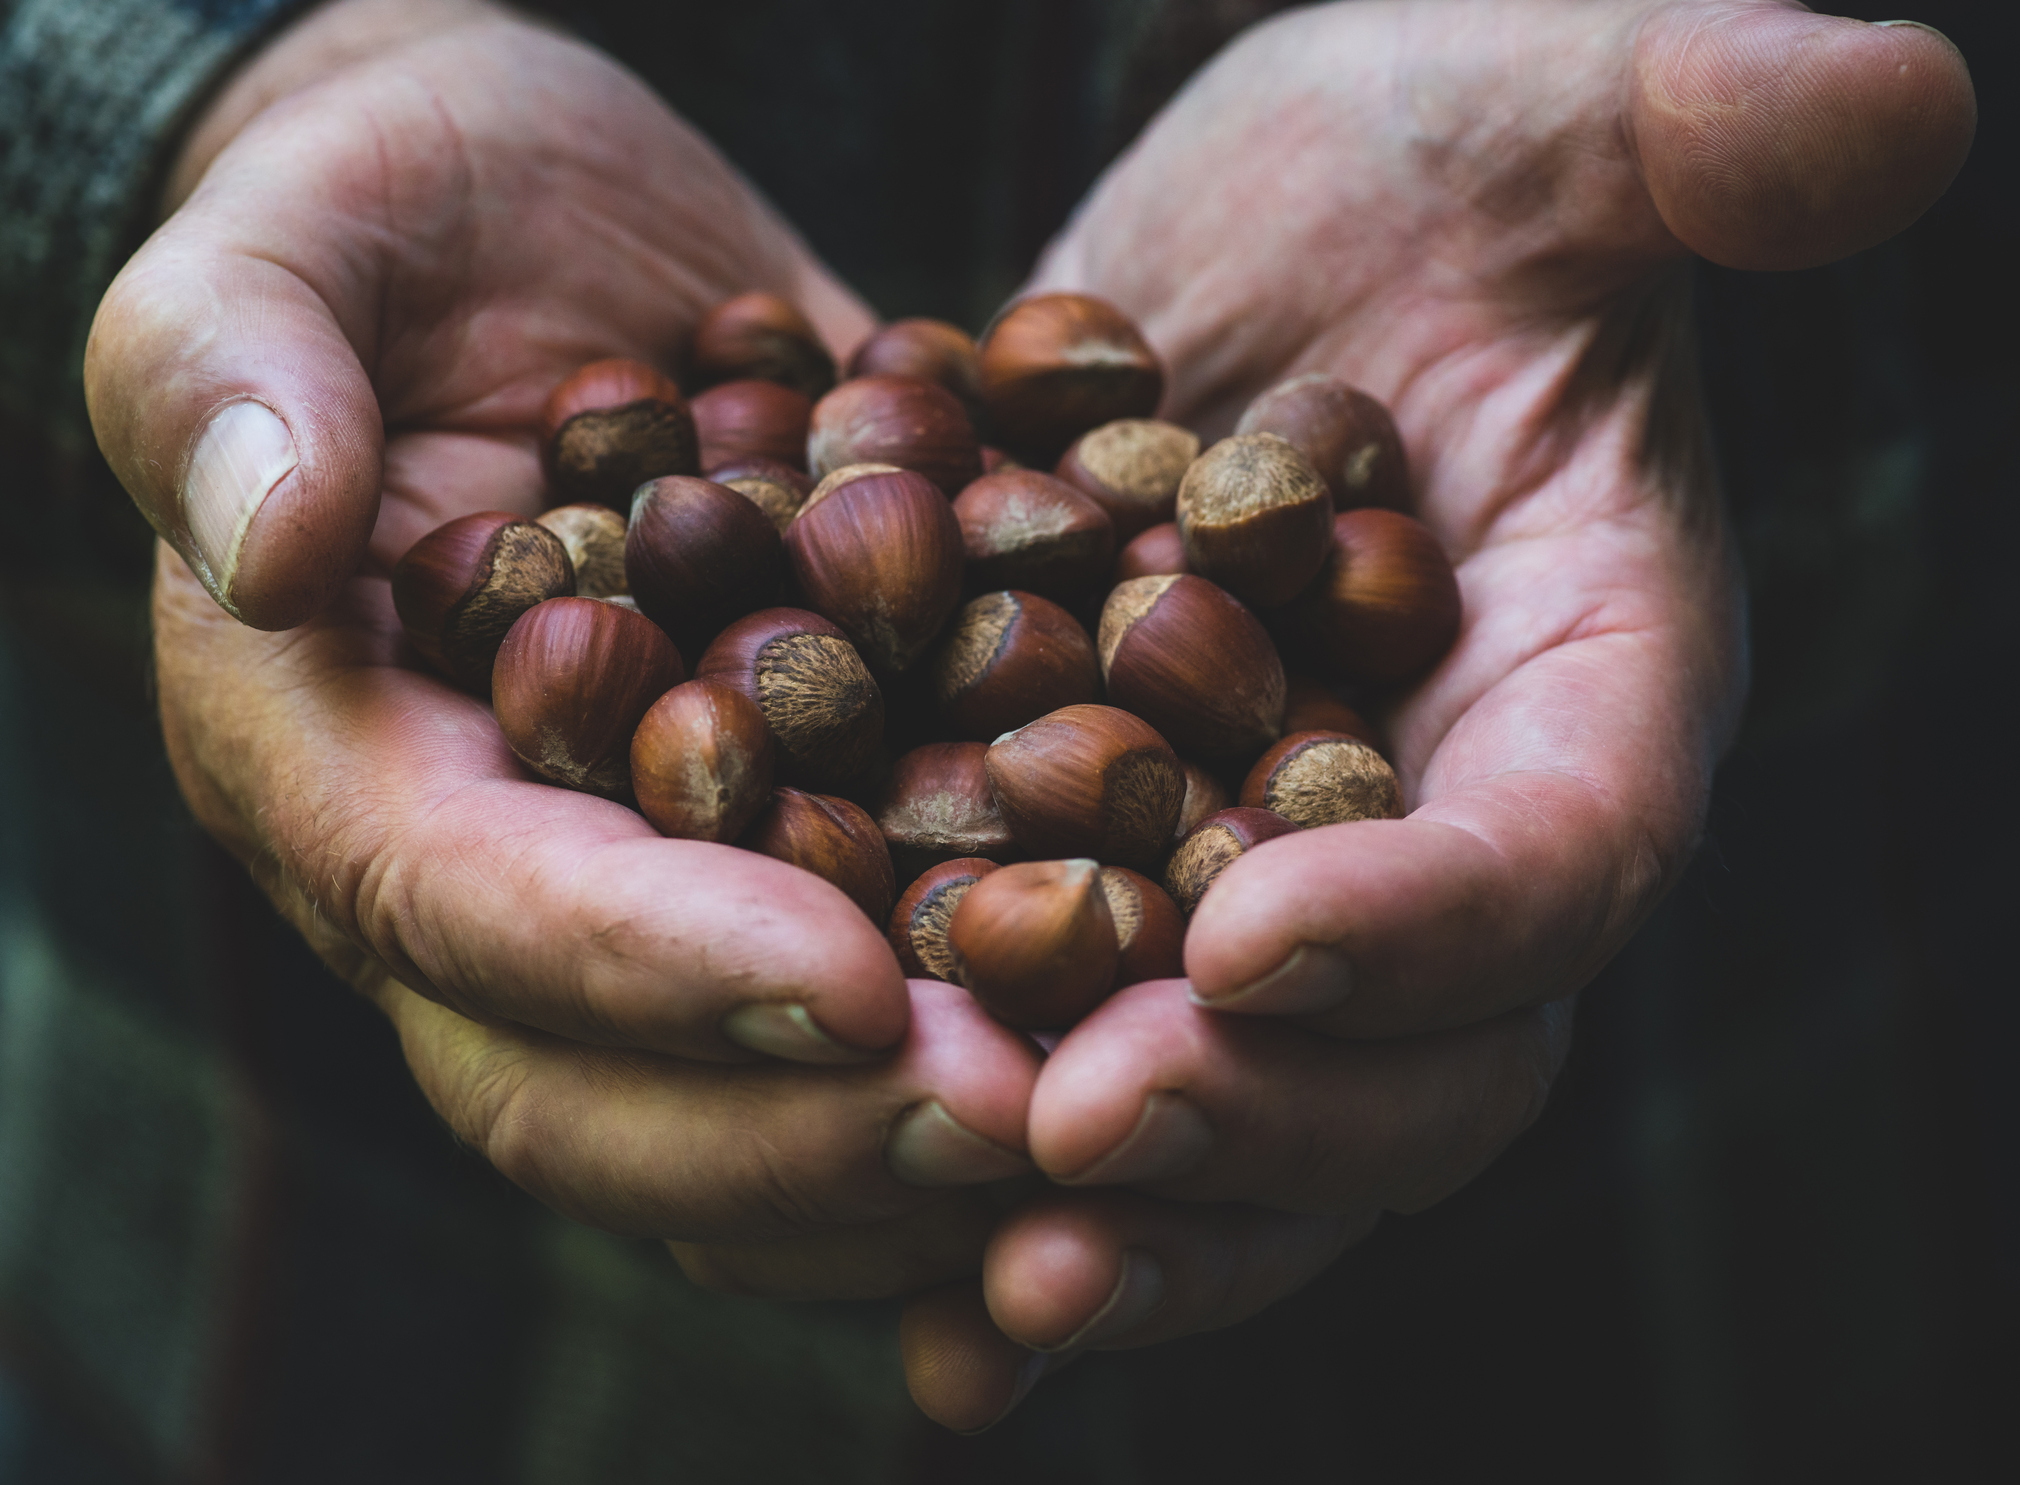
(1030, 696)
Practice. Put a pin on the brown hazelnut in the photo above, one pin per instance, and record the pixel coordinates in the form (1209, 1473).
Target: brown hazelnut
(571, 681)
(594, 537)
(1157, 552)
(930, 350)
(1009, 658)
(1026, 530)
(761, 336)
(1255, 517)
(1056, 365)
(1091, 781)
(1385, 606)
(995, 461)
(1204, 795)
(1310, 705)
(697, 555)
(881, 556)
(1213, 846)
(918, 930)
(1149, 928)
(460, 588)
(1034, 942)
(1190, 660)
(774, 488)
(936, 804)
(701, 762)
(832, 838)
(825, 711)
(612, 426)
(1349, 437)
(894, 420)
(1323, 778)
(1131, 469)
(751, 420)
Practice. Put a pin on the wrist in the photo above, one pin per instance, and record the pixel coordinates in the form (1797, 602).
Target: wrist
(321, 40)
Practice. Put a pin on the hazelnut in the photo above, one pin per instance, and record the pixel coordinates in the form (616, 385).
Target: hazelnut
(460, 588)
(1034, 942)
(1349, 437)
(571, 681)
(1255, 517)
(698, 555)
(701, 761)
(995, 461)
(936, 805)
(751, 420)
(1310, 705)
(1204, 795)
(918, 930)
(1026, 530)
(1156, 552)
(881, 556)
(1213, 846)
(1131, 469)
(594, 537)
(1191, 661)
(1385, 606)
(833, 839)
(774, 488)
(1088, 780)
(1008, 659)
(930, 350)
(894, 420)
(1323, 778)
(824, 710)
(1149, 928)
(1056, 365)
(612, 426)
(760, 336)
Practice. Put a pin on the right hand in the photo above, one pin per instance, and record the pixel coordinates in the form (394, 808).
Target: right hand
(352, 322)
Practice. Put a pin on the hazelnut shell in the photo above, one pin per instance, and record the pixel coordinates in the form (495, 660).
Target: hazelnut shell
(751, 419)
(1214, 845)
(1088, 781)
(1349, 436)
(612, 426)
(1131, 468)
(1021, 529)
(929, 350)
(1149, 928)
(823, 707)
(832, 838)
(1384, 608)
(1156, 552)
(918, 930)
(1186, 657)
(701, 762)
(881, 557)
(698, 555)
(461, 588)
(1009, 658)
(1255, 517)
(594, 537)
(759, 335)
(936, 805)
(1056, 365)
(894, 420)
(1034, 942)
(1323, 778)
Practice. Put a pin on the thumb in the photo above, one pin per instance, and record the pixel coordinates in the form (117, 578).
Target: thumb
(1773, 138)
(231, 404)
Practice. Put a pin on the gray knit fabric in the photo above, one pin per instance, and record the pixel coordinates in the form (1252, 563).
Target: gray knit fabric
(92, 94)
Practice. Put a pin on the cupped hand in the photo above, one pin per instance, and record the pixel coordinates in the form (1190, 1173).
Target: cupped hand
(342, 338)
(1479, 211)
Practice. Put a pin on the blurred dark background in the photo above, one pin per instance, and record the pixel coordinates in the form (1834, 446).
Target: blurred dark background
(1768, 1230)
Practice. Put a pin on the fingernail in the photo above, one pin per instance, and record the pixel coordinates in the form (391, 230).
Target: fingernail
(1034, 1367)
(1170, 1138)
(244, 453)
(785, 1029)
(1315, 978)
(1135, 1298)
(930, 1147)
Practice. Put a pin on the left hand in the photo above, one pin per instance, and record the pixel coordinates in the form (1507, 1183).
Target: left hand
(1479, 210)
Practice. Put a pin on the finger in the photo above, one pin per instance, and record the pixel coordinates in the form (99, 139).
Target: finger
(386, 806)
(225, 383)
(1771, 138)
(963, 1372)
(713, 1155)
(874, 1260)
(1152, 1092)
(1112, 1270)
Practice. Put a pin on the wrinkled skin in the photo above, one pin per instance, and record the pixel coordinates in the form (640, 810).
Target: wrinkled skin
(1477, 209)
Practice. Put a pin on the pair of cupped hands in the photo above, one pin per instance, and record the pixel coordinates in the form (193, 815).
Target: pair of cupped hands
(403, 221)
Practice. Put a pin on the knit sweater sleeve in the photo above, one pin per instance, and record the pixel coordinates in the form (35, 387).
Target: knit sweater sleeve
(93, 95)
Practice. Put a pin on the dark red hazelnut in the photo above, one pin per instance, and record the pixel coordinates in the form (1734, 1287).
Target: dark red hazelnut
(1255, 518)
(752, 420)
(571, 682)
(701, 762)
(1034, 942)
(612, 426)
(824, 709)
(774, 488)
(1310, 705)
(1323, 778)
(1187, 657)
(936, 805)
(760, 336)
(1021, 529)
(699, 555)
(1149, 928)
(1009, 658)
(928, 350)
(1089, 781)
(1213, 846)
(894, 420)
(1158, 552)
(1204, 795)
(462, 587)
(1385, 606)
(832, 838)
(1131, 468)
(918, 930)
(1056, 365)
(881, 557)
